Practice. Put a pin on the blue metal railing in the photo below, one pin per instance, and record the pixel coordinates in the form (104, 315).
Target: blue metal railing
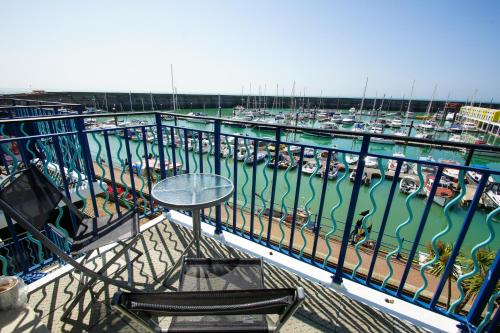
(83, 161)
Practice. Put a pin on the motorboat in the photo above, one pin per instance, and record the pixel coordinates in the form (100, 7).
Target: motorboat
(365, 180)
(197, 120)
(396, 123)
(336, 118)
(329, 126)
(408, 185)
(261, 157)
(474, 177)
(309, 152)
(451, 173)
(469, 126)
(311, 167)
(279, 116)
(427, 125)
(491, 196)
(359, 127)
(349, 120)
(456, 138)
(377, 129)
(423, 135)
(351, 159)
(382, 141)
(333, 172)
(167, 117)
(242, 153)
(444, 192)
(392, 164)
(371, 162)
(322, 116)
(426, 168)
(455, 128)
(400, 133)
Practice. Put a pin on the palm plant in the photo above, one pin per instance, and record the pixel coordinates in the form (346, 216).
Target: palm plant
(444, 251)
(472, 285)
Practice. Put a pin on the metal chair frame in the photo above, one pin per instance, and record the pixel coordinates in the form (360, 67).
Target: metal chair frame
(79, 266)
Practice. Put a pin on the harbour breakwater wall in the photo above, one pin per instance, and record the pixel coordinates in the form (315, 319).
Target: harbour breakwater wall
(146, 101)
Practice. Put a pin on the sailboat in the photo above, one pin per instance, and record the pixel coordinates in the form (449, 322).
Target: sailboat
(400, 132)
(428, 124)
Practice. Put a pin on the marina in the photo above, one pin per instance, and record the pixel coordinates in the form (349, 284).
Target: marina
(266, 155)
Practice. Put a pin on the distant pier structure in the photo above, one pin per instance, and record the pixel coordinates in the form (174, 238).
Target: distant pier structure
(485, 119)
(116, 101)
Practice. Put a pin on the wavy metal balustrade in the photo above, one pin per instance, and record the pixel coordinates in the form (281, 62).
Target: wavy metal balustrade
(77, 156)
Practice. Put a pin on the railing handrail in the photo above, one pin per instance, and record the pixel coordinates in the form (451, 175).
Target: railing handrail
(407, 140)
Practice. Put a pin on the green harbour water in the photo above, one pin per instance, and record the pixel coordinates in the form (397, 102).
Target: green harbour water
(398, 214)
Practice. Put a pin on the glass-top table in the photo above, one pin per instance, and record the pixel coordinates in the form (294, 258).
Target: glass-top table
(192, 192)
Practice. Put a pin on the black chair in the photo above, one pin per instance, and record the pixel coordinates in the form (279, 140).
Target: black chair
(215, 295)
(29, 197)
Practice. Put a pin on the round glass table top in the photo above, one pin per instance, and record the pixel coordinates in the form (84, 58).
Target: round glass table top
(192, 191)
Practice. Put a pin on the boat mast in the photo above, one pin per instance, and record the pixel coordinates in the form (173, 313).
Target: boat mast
(429, 106)
(381, 106)
(362, 100)
(443, 119)
(473, 97)
(152, 104)
(409, 101)
(106, 102)
(173, 89)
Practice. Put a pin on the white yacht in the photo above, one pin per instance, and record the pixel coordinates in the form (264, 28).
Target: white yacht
(469, 126)
(197, 120)
(336, 118)
(371, 162)
(396, 123)
(349, 120)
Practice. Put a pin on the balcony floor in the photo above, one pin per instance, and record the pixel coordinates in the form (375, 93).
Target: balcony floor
(323, 311)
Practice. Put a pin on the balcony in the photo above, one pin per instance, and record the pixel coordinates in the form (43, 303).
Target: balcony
(377, 278)
(324, 311)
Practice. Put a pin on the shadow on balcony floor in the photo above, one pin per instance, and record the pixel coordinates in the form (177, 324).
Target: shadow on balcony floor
(323, 311)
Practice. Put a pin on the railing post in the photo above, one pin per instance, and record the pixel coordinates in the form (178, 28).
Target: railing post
(173, 146)
(112, 173)
(337, 278)
(254, 183)
(217, 155)
(277, 144)
(235, 181)
(469, 156)
(295, 201)
(460, 239)
(148, 170)
(87, 159)
(80, 127)
(159, 139)
(60, 159)
(485, 292)
(317, 224)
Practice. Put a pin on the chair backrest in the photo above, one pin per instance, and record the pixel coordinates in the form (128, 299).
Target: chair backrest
(213, 311)
(31, 195)
(200, 303)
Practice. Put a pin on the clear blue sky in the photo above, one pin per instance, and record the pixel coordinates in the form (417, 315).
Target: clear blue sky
(220, 46)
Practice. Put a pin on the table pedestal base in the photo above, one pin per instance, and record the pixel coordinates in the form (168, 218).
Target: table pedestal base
(195, 241)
